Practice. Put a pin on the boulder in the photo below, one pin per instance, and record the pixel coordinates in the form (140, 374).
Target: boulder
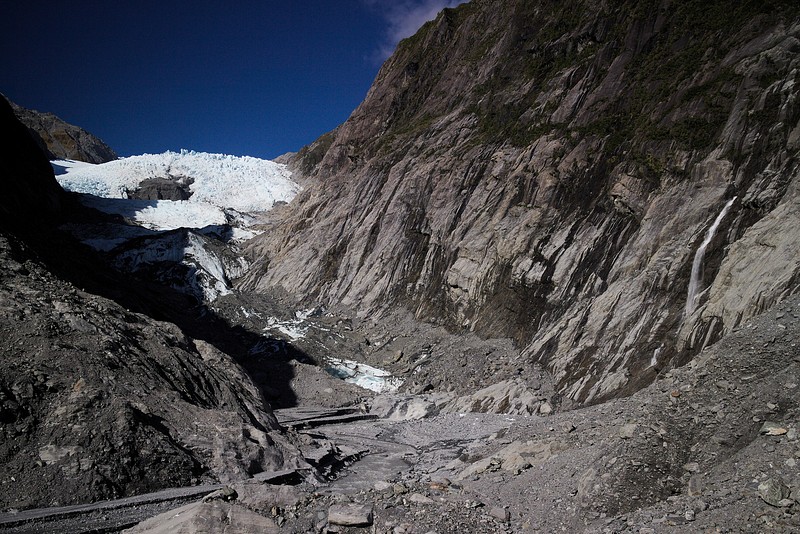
(350, 515)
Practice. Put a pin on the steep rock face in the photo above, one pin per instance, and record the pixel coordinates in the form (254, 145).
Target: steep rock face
(547, 171)
(30, 193)
(61, 140)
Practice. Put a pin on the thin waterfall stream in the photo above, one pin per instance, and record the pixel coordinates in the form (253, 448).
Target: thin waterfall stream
(696, 280)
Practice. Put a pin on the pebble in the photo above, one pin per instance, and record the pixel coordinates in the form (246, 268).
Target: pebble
(627, 431)
(418, 498)
(382, 485)
(692, 467)
(501, 514)
(772, 429)
(695, 486)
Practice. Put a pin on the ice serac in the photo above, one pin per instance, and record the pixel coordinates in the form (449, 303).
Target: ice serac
(546, 172)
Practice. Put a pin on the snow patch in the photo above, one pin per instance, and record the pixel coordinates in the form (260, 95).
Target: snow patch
(296, 328)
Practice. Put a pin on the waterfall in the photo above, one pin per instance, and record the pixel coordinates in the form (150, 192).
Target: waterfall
(697, 265)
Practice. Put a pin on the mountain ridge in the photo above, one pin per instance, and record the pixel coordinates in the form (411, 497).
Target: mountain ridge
(61, 140)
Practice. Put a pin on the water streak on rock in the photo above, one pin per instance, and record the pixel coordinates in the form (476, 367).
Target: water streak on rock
(697, 265)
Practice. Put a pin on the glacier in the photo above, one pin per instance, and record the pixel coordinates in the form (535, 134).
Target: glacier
(226, 195)
(222, 188)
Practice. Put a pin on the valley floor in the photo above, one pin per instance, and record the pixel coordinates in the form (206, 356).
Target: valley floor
(710, 447)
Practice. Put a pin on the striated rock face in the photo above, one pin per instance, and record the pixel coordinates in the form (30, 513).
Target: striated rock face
(60, 140)
(547, 171)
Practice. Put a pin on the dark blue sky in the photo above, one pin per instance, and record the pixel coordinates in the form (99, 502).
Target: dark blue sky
(248, 77)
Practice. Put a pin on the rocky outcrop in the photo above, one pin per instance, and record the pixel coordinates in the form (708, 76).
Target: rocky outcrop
(30, 194)
(161, 189)
(99, 402)
(61, 140)
(547, 172)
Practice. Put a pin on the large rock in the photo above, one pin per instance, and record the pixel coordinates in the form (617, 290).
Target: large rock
(403, 407)
(161, 189)
(350, 515)
(214, 517)
(515, 457)
(511, 397)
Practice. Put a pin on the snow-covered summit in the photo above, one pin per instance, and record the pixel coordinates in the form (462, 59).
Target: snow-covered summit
(245, 184)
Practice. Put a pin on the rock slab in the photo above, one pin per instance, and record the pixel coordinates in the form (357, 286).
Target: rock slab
(351, 515)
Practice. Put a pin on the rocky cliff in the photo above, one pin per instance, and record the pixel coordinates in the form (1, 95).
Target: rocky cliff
(547, 171)
(61, 140)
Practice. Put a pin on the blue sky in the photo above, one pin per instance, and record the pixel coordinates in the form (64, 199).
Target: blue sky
(247, 77)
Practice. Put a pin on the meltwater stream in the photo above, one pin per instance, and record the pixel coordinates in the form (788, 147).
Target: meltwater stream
(697, 265)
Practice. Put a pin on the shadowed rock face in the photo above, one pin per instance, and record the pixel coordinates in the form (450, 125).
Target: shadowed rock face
(30, 194)
(546, 172)
(60, 140)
